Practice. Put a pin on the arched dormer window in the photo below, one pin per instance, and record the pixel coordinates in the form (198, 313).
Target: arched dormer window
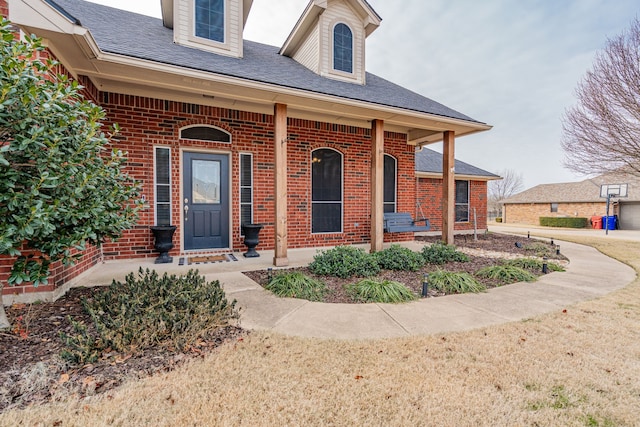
(205, 133)
(342, 48)
(209, 19)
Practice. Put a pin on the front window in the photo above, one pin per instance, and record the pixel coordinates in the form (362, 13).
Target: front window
(209, 19)
(246, 189)
(342, 48)
(326, 191)
(389, 183)
(462, 201)
(554, 207)
(162, 185)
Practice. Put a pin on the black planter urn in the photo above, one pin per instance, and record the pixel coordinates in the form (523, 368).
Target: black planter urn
(251, 239)
(163, 235)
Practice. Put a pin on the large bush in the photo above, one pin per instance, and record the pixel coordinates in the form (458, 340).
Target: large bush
(149, 310)
(344, 262)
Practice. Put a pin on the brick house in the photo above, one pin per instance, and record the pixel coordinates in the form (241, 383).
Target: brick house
(222, 131)
(470, 192)
(575, 199)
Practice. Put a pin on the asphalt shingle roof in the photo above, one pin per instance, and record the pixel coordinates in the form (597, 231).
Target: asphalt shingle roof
(431, 162)
(143, 37)
(587, 190)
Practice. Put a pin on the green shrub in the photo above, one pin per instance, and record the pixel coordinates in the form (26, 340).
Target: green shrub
(451, 282)
(400, 258)
(297, 285)
(81, 347)
(568, 222)
(532, 264)
(440, 253)
(387, 291)
(344, 262)
(506, 274)
(151, 310)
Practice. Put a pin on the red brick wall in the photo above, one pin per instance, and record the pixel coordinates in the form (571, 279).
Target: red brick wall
(4, 8)
(429, 192)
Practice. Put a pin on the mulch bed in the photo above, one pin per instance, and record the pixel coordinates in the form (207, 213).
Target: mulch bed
(496, 246)
(31, 371)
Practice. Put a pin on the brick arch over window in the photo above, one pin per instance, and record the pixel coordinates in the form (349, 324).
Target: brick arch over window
(205, 132)
(326, 190)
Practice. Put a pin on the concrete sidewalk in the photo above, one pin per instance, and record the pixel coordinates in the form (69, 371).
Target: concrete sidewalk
(589, 275)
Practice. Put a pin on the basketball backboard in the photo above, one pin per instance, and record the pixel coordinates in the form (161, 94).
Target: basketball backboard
(614, 190)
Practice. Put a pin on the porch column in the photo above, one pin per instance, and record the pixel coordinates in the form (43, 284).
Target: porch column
(280, 174)
(448, 187)
(377, 184)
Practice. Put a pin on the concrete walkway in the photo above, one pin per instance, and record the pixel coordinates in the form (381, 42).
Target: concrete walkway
(589, 275)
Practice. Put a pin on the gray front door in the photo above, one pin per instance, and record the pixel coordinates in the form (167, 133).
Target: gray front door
(206, 201)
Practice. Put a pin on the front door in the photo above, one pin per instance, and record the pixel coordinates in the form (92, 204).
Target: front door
(206, 201)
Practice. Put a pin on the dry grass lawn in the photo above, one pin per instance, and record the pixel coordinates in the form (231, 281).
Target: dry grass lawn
(579, 367)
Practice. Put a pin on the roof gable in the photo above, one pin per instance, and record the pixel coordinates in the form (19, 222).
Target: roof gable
(311, 41)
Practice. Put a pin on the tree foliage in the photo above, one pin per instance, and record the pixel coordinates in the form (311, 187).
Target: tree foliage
(61, 184)
(602, 132)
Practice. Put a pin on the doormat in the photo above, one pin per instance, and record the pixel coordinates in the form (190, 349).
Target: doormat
(208, 259)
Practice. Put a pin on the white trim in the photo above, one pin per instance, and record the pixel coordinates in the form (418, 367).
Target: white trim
(155, 185)
(229, 154)
(341, 191)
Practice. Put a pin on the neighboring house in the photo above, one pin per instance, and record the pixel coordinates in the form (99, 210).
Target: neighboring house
(576, 199)
(222, 131)
(470, 192)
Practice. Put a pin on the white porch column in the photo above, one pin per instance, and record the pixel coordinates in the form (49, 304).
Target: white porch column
(377, 184)
(448, 187)
(280, 173)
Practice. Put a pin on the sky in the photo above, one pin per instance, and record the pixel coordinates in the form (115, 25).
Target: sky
(514, 64)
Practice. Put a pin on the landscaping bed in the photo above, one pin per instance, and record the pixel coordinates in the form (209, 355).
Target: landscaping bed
(31, 371)
(488, 250)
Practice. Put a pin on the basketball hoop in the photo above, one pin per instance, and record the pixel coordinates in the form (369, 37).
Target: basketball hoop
(612, 191)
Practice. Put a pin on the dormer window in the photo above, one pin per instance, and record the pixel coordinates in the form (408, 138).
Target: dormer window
(209, 19)
(342, 48)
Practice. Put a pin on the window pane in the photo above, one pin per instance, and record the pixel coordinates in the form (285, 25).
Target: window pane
(205, 133)
(162, 193)
(245, 214)
(462, 191)
(210, 19)
(162, 166)
(163, 214)
(245, 195)
(462, 213)
(245, 170)
(205, 178)
(327, 218)
(326, 176)
(342, 48)
(389, 207)
(389, 180)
